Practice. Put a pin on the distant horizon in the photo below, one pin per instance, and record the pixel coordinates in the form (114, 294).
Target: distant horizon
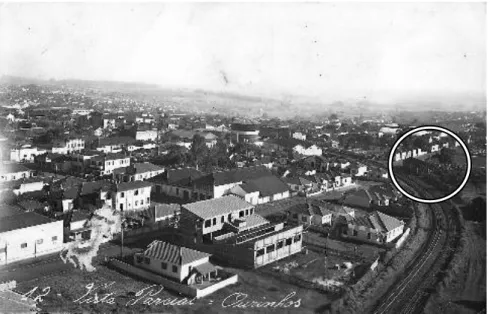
(299, 99)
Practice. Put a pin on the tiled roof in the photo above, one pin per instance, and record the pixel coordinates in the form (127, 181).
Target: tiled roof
(310, 209)
(389, 222)
(120, 140)
(216, 207)
(165, 210)
(239, 175)
(178, 177)
(24, 220)
(127, 186)
(146, 167)
(174, 254)
(378, 221)
(254, 221)
(205, 268)
(267, 186)
(93, 187)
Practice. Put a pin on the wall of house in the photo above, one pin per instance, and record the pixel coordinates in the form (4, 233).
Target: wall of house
(29, 187)
(220, 190)
(15, 176)
(110, 165)
(182, 270)
(130, 201)
(277, 246)
(393, 234)
(26, 154)
(11, 241)
(147, 175)
(175, 191)
(361, 233)
(174, 286)
(149, 135)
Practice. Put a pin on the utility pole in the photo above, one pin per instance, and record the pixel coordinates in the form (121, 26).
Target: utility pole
(122, 232)
(326, 262)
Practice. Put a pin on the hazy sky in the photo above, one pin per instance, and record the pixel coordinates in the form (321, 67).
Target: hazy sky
(328, 50)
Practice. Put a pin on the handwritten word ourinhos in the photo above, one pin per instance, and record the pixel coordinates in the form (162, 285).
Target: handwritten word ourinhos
(240, 300)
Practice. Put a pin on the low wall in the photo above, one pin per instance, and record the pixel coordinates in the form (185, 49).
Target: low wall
(172, 285)
(403, 238)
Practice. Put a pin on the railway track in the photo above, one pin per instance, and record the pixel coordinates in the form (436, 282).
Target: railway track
(412, 291)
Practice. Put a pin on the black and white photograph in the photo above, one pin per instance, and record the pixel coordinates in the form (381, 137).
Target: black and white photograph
(243, 157)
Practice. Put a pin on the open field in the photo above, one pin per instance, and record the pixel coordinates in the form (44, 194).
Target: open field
(466, 293)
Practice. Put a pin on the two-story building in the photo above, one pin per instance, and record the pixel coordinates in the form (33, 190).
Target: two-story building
(105, 165)
(131, 195)
(228, 228)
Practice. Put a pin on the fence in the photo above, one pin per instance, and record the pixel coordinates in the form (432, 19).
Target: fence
(173, 285)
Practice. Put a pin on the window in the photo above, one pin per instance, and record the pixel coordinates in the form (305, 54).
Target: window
(369, 235)
(214, 221)
(270, 248)
(260, 252)
(289, 241)
(295, 216)
(229, 217)
(121, 206)
(55, 238)
(135, 203)
(246, 212)
(141, 203)
(304, 218)
(122, 194)
(136, 192)
(177, 191)
(147, 260)
(280, 244)
(222, 219)
(297, 238)
(164, 265)
(241, 214)
(39, 241)
(139, 259)
(251, 211)
(354, 233)
(207, 224)
(174, 268)
(23, 245)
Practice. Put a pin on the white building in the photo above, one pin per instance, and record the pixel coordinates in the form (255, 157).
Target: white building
(25, 153)
(11, 172)
(131, 195)
(148, 135)
(310, 151)
(28, 235)
(299, 136)
(180, 263)
(375, 228)
(68, 146)
(105, 165)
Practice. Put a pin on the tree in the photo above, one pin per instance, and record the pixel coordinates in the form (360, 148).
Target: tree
(445, 156)
(198, 149)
